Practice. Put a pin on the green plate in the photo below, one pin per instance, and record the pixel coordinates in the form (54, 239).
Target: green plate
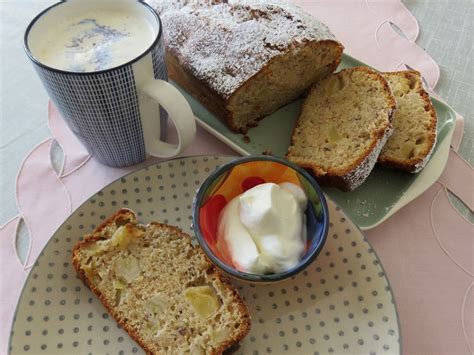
(383, 193)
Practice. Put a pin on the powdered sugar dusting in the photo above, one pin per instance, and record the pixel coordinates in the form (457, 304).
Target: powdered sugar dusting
(224, 44)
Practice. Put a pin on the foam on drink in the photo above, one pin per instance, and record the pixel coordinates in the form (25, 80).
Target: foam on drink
(95, 40)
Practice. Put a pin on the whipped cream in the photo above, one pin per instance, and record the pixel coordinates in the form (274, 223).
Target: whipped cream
(263, 230)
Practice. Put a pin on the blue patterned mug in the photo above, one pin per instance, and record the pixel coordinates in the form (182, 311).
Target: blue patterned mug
(103, 65)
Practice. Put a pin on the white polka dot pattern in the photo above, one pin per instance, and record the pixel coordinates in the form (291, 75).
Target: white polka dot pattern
(342, 303)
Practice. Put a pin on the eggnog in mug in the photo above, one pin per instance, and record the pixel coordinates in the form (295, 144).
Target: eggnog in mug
(94, 40)
(103, 65)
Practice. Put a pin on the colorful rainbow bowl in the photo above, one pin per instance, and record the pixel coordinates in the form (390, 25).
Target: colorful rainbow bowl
(237, 176)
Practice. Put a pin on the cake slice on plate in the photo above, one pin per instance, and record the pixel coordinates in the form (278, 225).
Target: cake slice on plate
(163, 290)
(414, 124)
(344, 123)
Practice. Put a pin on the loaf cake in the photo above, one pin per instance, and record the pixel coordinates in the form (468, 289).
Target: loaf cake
(160, 288)
(344, 123)
(245, 59)
(414, 124)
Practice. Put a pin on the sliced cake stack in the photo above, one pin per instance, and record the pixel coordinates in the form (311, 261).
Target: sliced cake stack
(357, 116)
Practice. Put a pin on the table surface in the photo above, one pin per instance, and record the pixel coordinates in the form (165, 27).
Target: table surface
(446, 34)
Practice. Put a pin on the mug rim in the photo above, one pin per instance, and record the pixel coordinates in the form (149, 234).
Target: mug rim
(135, 59)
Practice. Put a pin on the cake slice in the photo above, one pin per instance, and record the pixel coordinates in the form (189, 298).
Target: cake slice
(243, 59)
(344, 123)
(414, 124)
(163, 290)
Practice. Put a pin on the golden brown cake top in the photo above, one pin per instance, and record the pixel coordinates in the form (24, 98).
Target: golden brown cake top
(225, 43)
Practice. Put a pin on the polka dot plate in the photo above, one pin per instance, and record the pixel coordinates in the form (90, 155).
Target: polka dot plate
(341, 303)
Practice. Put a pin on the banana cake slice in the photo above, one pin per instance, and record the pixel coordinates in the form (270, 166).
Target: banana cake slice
(344, 123)
(160, 288)
(414, 124)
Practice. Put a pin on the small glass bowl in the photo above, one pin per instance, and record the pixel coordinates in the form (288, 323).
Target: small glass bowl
(235, 177)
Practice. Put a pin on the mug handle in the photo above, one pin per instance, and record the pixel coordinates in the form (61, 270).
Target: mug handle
(180, 113)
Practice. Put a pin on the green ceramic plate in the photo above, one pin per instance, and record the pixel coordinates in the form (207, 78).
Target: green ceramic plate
(382, 194)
